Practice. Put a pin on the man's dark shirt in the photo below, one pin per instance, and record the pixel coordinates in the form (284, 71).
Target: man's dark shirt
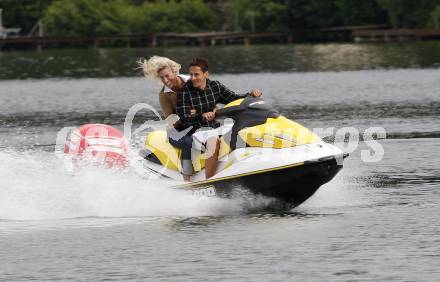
(202, 101)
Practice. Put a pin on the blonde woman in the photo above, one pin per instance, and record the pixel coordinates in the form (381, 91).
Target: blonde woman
(166, 70)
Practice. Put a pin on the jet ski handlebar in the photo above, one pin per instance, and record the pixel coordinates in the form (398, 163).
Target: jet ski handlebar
(229, 111)
(248, 104)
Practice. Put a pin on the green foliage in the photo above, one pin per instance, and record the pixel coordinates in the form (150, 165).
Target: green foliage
(360, 12)
(318, 13)
(257, 15)
(183, 16)
(23, 13)
(264, 15)
(304, 14)
(435, 17)
(91, 17)
(84, 17)
(409, 13)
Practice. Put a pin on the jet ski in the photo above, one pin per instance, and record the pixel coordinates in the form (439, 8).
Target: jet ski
(261, 152)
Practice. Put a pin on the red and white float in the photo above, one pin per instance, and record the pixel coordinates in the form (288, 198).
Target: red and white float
(99, 144)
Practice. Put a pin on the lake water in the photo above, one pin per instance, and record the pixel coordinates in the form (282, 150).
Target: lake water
(376, 221)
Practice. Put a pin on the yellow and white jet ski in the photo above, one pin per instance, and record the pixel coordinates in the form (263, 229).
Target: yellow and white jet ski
(261, 151)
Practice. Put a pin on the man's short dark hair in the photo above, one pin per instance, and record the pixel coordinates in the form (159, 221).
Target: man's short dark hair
(201, 63)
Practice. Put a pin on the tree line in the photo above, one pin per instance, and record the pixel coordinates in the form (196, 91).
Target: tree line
(93, 17)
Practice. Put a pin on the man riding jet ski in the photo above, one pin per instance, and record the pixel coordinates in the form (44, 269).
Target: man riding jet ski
(260, 151)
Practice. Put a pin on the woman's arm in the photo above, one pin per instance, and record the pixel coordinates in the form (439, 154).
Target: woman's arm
(166, 104)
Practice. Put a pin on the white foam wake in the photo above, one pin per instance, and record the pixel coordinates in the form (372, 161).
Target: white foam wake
(35, 185)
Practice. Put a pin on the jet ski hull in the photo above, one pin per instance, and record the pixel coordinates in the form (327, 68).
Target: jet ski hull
(291, 184)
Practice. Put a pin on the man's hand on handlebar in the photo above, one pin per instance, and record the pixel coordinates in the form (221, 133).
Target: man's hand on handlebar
(256, 93)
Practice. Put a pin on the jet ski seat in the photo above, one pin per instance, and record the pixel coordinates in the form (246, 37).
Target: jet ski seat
(161, 151)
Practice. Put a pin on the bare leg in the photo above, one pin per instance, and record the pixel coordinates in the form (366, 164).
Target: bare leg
(212, 151)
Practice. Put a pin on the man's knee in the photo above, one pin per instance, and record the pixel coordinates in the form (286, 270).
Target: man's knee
(213, 144)
(213, 140)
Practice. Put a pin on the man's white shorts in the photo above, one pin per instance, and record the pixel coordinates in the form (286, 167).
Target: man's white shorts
(201, 136)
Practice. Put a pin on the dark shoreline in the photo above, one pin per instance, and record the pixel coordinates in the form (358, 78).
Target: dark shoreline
(204, 39)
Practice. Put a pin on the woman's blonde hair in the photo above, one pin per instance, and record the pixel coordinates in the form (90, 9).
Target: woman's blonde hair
(152, 66)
